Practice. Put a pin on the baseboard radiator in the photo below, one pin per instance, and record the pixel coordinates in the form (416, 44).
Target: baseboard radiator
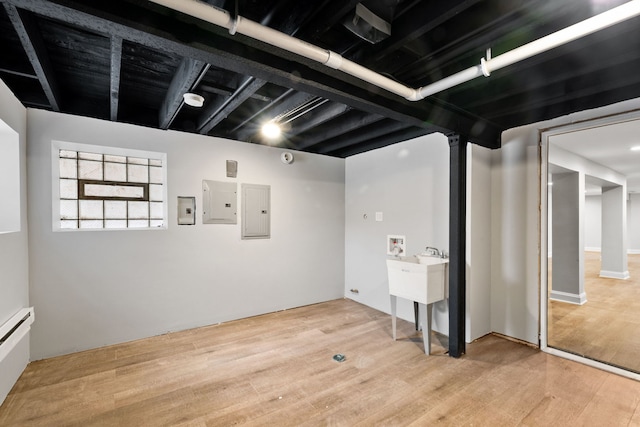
(12, 331)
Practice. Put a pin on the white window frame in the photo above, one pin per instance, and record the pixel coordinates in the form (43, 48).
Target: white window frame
(56, 146)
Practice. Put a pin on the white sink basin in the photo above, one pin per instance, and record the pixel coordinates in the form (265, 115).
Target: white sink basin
(417, 278)
(421, 279)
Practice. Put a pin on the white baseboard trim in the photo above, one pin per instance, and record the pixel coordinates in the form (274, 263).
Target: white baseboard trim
(624, 275)
(594, 249)
(568, 297)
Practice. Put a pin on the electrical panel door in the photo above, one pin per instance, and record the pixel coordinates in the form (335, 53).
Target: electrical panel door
(256, 211)
(219, 200)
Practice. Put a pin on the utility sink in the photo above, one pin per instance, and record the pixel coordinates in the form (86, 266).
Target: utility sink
(419, 278)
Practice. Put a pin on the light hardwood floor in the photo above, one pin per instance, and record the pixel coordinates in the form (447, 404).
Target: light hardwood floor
(277, 370)
(607, 326)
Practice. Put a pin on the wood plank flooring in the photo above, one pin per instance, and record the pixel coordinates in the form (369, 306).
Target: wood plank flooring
(607, 326)
(277, 370)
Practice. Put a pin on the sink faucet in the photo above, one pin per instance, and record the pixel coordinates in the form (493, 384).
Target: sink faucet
(433, 251)
(430, 250)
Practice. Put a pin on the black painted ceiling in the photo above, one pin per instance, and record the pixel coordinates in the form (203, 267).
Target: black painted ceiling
(131, 61)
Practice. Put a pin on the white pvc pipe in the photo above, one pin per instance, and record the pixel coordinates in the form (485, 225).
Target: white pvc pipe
(284, 41)
(448, 82)
(566, 35)
(276, 38)
(200, 10)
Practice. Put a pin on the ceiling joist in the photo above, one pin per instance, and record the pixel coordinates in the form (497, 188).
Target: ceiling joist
(133, 60)
(33, 45)
(183, 81)
(349, 122)
(217, 112)
(283, 104)
(116, 61)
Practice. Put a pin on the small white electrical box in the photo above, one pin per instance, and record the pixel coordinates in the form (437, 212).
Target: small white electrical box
(396, 245)
(186, 210)
(232, 168)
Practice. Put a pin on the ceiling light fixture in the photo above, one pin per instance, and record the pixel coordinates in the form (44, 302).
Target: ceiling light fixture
(271, 130)
(193, 99)
(636, 148)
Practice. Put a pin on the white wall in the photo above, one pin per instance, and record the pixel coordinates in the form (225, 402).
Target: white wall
(92, 288)
(409, 183)
(633, 223)
(14, 261)
(514, 244)
(592, 222)
(478, 257)
(515, 226)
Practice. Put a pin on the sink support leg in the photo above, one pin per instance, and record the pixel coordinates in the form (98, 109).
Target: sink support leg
(425, 313)
(415, 314)
(394, 300)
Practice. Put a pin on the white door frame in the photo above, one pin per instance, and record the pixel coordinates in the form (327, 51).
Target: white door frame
(545, 134)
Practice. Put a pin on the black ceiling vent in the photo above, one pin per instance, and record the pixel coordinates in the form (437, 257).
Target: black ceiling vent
(371, 19)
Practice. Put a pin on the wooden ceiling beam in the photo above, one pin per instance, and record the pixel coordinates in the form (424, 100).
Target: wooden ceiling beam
(381, 141)
(371, 132)
(317, 117)
(498, 33)
(116, 61)
(340, 126)
(160, 28)
(333, 12)
(186, 76)
(34, 47)
(217, 112)
(274, 109)
(419, 20)
(18, 73)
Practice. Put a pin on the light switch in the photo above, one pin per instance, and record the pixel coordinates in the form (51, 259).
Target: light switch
(378, 216)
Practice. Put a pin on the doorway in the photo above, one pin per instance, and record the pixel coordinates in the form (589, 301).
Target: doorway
(590, 242)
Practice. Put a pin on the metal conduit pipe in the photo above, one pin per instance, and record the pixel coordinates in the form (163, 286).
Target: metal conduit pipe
(334, 60)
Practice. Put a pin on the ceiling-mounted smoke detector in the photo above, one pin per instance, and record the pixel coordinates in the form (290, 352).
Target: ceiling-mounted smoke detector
(193, 99)
(372, 19)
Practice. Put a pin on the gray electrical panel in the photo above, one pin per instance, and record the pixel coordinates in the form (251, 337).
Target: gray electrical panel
(219, 200)
(256, 211)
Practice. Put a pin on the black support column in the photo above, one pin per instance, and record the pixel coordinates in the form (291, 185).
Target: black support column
(457, 235)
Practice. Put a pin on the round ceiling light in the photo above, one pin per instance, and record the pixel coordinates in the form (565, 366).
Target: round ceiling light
(271, 130)
(193, 99)
(636, 148)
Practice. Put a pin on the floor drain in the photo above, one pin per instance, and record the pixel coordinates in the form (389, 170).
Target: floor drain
(339, 357)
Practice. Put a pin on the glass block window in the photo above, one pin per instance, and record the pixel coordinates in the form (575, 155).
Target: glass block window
(100, 189)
